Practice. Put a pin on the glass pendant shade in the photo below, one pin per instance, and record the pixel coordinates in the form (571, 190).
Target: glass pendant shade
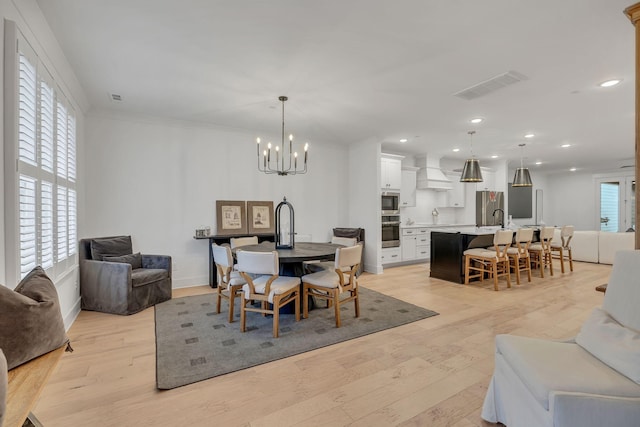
(471, 171)
(522, 178)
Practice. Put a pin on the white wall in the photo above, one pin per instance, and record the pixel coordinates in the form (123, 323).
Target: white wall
(570, 199)
(31, 23)
(363, 197)
(159, 181)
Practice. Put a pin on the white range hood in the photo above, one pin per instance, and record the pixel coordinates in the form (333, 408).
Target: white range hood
(430, 176)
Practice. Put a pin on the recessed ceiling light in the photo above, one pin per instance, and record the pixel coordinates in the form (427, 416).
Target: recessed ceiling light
(455, 150)
(403, 140)
(610, 83)
(529, 135)
(566, 145)
(476, 120)
(494, 156)
(573, 169)
(538, 163)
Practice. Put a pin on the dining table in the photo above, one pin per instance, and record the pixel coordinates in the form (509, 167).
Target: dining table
(292, 259)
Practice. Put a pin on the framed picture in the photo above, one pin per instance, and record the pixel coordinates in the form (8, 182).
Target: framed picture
(260, 217)
(231, 217)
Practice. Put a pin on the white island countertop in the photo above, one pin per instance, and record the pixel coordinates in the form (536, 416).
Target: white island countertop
(426, 225)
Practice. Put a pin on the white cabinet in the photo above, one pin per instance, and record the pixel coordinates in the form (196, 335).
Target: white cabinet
(408, 190)
(416, 244)
(391, 172)
(488, 180)
(455, 196)
(409, 243)
(391, 255)
(423, 243)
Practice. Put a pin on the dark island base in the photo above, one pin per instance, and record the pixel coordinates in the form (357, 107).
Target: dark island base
(447, 253)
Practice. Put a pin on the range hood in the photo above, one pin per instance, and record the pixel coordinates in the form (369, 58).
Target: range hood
(430, 176)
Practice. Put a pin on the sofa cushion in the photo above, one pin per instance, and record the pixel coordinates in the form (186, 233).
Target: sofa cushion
(31, 323)
(546, 366)
(110, 246)
(612, 343)
(134, 259)
(144, 276)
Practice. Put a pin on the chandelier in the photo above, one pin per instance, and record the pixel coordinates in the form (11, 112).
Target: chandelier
(275, 160)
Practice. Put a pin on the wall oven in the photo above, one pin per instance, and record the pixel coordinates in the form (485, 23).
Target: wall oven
(390, 231)
(390, 203)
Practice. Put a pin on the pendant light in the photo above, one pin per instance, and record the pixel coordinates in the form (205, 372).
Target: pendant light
(522, 178)
(471, 171)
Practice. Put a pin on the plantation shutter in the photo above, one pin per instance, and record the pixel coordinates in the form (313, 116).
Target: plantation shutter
(46, 180)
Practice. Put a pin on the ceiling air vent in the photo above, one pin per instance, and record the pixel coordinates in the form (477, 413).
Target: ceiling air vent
(491, 85)
(116, 97)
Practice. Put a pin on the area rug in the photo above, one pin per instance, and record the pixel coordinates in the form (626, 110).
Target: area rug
(194, 343)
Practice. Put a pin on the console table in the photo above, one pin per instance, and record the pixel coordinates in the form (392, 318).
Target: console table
(219, 240)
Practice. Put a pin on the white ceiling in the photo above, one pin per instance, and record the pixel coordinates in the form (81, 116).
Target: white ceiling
(375, 70)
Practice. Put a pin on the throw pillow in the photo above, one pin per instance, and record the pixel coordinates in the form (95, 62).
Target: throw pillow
(110, 246)
(616, 346)
(31, 323)
(134, 259)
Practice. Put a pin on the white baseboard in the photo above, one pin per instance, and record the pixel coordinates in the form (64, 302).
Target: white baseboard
(189, 282)
(71, 315)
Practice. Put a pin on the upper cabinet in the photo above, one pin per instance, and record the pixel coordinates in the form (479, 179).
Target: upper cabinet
(455, 196)
(488, 180)
(408, 190)
(391, 172)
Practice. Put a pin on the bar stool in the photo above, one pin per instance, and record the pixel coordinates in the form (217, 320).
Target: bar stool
(541, 251)
(495, 262)
(519, 258)
(566, 233)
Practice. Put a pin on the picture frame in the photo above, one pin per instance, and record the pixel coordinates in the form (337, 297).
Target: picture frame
(231, 217)
(260, 217)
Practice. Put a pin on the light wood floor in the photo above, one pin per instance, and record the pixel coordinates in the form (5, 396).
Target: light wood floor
(433, 372)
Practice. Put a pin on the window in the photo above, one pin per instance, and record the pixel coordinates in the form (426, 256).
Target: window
(46, 215)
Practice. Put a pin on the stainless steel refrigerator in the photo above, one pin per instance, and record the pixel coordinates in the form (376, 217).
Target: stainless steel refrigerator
(489, 208)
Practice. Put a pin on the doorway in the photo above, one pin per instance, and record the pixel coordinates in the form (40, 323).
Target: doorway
(616, 203)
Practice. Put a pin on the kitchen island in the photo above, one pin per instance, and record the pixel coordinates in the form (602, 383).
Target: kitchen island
(448, 246)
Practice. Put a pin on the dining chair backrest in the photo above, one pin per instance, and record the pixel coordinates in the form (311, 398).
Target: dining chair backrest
(348, 257)
(344, 241)
(566, 234)
(257, 262)
(222, 255)
(236, 242)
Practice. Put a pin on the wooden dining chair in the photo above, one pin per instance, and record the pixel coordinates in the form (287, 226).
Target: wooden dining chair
(237, 242)
(329, 285)
(541, 251)
(260, 270)
(230, 282)
(563, 247)
(315, 266)
(519, 258)
(494, 262)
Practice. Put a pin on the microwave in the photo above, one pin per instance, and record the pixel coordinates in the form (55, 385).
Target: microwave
(390, 203)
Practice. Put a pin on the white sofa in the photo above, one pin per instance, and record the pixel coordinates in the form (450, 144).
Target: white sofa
(591, 381)
(598, 246)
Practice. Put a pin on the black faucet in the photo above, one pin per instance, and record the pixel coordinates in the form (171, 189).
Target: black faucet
(501, 217)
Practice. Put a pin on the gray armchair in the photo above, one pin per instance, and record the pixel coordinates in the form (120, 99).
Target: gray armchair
(115, 280)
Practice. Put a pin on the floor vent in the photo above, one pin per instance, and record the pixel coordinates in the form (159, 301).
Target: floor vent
(491, 85)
